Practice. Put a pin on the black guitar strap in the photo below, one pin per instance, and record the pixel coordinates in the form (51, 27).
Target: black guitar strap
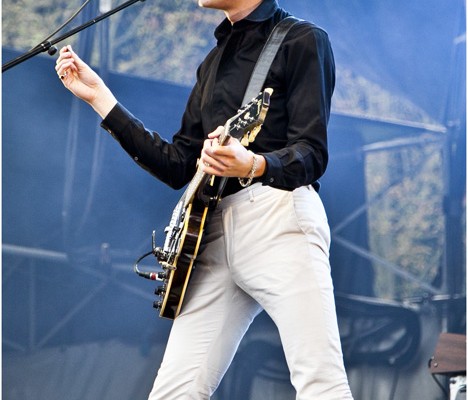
(267, 56)
(262, 67)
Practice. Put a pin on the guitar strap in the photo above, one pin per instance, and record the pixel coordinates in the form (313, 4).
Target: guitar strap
(267, 56)
(257, 79)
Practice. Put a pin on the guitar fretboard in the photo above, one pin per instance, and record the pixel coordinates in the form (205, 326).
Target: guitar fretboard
(250, 116)
(201, 176)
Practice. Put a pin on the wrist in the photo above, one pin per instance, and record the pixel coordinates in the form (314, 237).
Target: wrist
(261, 166)
(257, 169)
(104, 101)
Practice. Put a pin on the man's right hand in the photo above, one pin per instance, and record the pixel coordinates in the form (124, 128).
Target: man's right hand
(83, 82)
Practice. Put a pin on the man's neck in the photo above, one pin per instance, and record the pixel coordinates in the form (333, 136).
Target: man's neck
(241, 10)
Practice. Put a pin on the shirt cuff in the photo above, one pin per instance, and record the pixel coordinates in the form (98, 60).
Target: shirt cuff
(117, 119)
(273, 169)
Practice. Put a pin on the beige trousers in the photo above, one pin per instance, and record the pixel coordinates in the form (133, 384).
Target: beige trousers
(263, 248)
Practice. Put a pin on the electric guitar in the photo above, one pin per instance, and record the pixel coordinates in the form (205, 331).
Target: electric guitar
(185, 230)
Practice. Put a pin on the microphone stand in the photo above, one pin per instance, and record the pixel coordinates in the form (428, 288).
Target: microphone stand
(49, 45)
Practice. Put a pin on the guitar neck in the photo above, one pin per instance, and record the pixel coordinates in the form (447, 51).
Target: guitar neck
(248, 119)
(196, 182)
(201, 178)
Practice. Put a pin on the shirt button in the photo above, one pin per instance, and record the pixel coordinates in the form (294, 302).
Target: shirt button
(272, 180)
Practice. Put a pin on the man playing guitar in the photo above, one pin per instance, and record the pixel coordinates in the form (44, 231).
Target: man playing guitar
(266, 244)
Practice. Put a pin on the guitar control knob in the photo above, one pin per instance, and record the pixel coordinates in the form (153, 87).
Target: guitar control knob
(160, 290)
(160, 254)
(157, 305)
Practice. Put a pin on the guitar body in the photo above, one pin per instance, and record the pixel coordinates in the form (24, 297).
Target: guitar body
(185, 230)
(189, 243)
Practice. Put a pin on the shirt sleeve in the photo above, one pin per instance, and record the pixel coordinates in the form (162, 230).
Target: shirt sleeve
(173, 163)
(308, 60)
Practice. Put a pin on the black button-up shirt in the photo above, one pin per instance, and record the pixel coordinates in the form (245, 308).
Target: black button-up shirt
(293, 138)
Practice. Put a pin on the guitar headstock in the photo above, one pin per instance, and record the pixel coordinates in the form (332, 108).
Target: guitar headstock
(248, 121)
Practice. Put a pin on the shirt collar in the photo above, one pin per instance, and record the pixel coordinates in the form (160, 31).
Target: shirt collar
(263, 12)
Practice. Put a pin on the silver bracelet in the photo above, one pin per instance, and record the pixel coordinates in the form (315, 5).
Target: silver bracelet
(250, 177)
